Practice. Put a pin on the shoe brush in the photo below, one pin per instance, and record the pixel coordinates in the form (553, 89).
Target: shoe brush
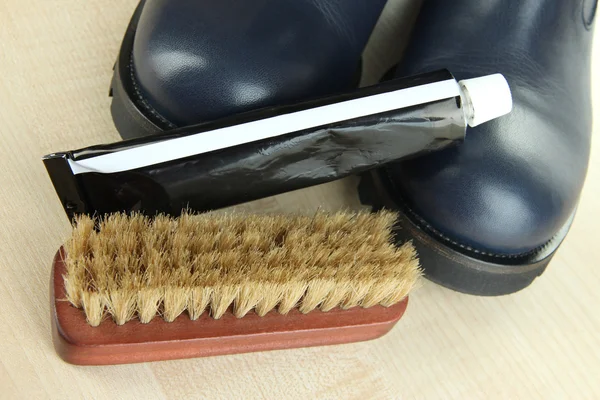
(129, 288)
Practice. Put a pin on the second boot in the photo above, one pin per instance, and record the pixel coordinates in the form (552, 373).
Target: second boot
(488, 216)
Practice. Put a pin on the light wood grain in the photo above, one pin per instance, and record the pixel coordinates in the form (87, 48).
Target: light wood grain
(55, 67)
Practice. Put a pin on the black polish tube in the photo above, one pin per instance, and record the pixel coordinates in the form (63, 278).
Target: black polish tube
(265, 152)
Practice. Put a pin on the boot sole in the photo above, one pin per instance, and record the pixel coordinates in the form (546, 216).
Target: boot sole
(126, 107)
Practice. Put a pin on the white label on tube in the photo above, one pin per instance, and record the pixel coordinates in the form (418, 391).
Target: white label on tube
(204, 142)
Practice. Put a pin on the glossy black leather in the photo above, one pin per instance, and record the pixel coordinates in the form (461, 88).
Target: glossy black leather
(198, 60)
(515, 181)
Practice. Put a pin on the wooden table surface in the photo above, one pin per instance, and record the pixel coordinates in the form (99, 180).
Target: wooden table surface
(55, 67)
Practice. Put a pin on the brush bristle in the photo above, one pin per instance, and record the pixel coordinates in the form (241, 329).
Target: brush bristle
(133, 266)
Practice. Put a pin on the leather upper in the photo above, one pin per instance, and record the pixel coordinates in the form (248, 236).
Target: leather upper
(515, 181)
(197, 60)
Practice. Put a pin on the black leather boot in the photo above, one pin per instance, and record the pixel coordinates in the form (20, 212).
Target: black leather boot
(189, 61)
(488, 216)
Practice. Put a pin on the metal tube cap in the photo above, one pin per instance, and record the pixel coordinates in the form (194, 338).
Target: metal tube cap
(485, 98)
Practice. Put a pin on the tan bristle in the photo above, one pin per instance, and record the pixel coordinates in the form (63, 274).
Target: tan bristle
(246, 299)
(93, 306)
(175, 302)
(334, 297)
(221, 299)
(356, 293)
(198, 301)
(316, 293)
(271, 294)
(121, 304)
(148, 301)
(138, 267)
(292, 293)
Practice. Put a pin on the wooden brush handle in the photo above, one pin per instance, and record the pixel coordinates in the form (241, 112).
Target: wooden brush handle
(79, 343)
